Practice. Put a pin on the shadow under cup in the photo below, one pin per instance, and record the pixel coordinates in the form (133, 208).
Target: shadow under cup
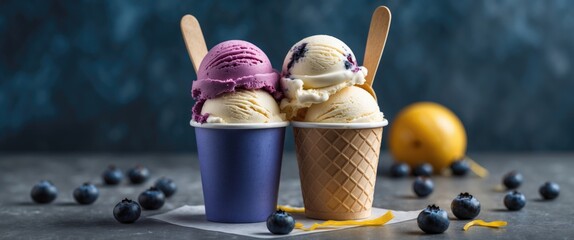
(240, 167)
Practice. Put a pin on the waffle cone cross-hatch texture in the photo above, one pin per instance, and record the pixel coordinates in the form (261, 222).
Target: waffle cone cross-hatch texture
(338, 170)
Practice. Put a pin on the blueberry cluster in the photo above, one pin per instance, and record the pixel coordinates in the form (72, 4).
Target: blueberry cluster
(458, 167)
(464, 206)
(423, 186)
(433, 220)
(126, 211)
(515, 200)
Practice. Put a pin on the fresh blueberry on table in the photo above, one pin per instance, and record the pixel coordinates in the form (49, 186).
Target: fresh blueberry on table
(433, 220)
(465, 206)
(127, 211)
(512, 180)
(166, 185)
(44, 192)
(138, 174)
(112, 175)
(549, 190)
(399, 170)
(423, 186)
(460, 167)
(151, 199)
(280, 222)
(423, 170)
(86, 194)
(514, 200)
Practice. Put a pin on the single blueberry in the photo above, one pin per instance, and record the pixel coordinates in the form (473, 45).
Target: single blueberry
(151, 199)
(549, 190)
(86, 194)
(423, 186)
(423, 170)
(514, 201)
(280, 222)
(138, 174)
(44, 192)
(512, 180)
(465, 206)
(399, 170)
(166, 185)
(112, 175)
(433, 220)
(459, 168)
(127, 211)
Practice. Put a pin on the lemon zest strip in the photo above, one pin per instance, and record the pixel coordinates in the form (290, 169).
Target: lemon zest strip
(289, 209)
(388, 216)
(476, 168)
(493, 224)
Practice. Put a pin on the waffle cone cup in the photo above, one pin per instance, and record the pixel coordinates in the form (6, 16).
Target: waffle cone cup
(338, 170)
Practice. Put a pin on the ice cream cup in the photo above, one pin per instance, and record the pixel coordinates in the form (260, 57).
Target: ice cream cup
(338, 167)
(240, 166)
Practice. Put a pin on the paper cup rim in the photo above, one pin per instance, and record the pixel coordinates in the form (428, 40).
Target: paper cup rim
(340, 125)
(239, 125)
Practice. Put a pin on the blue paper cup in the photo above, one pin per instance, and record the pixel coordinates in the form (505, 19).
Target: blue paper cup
(240, 166)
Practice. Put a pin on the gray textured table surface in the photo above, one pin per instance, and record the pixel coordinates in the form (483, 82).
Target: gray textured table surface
(64, 219)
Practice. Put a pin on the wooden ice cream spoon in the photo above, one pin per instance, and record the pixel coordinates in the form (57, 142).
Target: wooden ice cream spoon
(194, 41)
(378, 32)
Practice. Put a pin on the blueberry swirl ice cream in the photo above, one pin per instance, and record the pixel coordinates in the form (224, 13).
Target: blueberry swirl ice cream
(315, 69)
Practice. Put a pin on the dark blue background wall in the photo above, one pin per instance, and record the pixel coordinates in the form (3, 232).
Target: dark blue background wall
(115, 75)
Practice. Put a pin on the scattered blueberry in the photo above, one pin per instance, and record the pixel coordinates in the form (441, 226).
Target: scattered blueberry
(44, 192)
(465, 206)
(151, 199)
(423, 186)
(512, 180)
(549, 190)
(166, 185)
(86, 194)
(138, 175)
(423, 170)
(113, 175)
(399, 170)
(514, 201)
(459, 168)
(127, 211)
(280, 222)
(433, 220)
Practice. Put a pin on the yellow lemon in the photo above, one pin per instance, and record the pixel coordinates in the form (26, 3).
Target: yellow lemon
(427, 132)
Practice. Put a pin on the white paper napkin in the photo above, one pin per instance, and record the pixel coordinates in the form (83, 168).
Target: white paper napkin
(194, 217)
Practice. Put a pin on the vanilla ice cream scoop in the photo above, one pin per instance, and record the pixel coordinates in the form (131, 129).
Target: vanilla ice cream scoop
(350, 105)
(314, 69)
(243, 106)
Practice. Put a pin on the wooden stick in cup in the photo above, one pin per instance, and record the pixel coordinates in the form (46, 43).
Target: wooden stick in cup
(378, 32)
(194, 41)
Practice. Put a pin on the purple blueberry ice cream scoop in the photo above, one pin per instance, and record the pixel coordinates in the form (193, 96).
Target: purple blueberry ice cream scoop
(230, 66)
